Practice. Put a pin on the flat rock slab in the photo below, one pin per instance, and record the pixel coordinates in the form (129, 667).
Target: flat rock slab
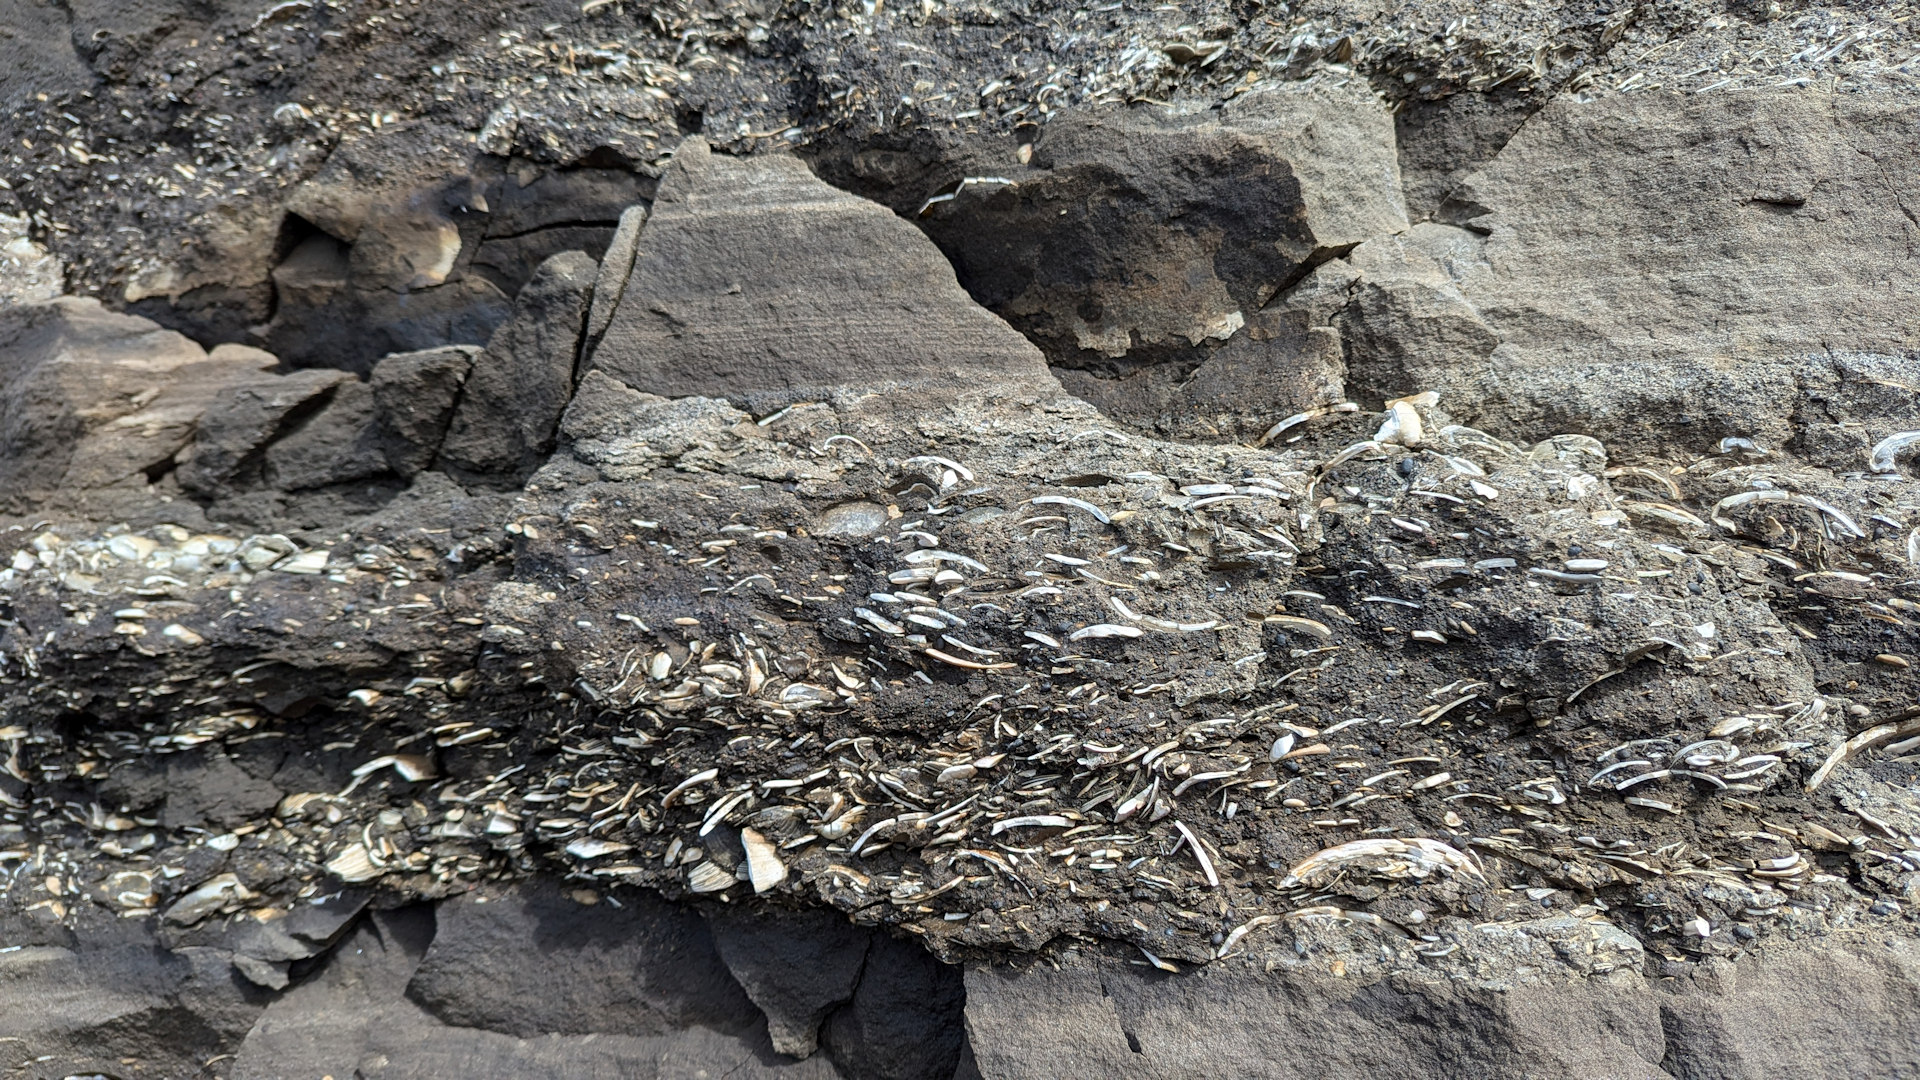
(752, 275)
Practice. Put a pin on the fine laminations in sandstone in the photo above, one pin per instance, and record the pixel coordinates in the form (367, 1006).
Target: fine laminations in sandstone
(951, 541)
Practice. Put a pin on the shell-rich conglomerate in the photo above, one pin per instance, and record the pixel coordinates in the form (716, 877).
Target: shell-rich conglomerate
(1008, 680)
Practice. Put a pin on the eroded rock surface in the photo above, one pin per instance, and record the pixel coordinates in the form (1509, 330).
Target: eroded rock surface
(753, 276)
(984, 588)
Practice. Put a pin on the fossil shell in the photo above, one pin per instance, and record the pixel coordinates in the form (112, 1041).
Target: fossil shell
(307, 562)
(708, 877)
(354, 864)
(589, 847)
(216, 894)
(1104, 630)
(764, 867)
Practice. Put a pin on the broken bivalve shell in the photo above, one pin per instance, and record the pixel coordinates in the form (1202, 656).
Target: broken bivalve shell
(220, 893)
(709, 877)
(764, 867)
(354, 864)
(1104, 630)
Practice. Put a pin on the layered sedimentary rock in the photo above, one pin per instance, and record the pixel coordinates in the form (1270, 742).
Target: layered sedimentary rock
(710, 307)
(1011, 595)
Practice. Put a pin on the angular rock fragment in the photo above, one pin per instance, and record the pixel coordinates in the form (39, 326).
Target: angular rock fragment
(533, 960)
(511, 403)
(751, 275)
(91, 399)
(796, 966)
(1396, 311)
(414, 395)
(324, 1025)
(1155, 231)
(337, 445)
(228, 451)
(905, 1019)
(615, 267)
(1138, 248)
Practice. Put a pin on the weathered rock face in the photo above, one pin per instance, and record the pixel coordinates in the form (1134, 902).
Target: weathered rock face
(754, 276)
(511, 400)
(1770, 1011)
(1139, 248)
(94, 400)
(1679, 270)
(761, 659)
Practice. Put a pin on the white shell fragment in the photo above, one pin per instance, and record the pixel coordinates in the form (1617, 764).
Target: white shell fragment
(701, 777)
(1845, 750)
(354, 864)
(1299, 418)
(1032, 821)
(1104, 630)
(949, 464)
(1415, 857)
(307, 562)
(1746, 498)
(1199, 853)
(222, 893)
(1130, 615)
(1887, 450)
(132, 548)
(1666, 512)
(1282, 746)
(764, 866)
(412, 767)
(708, 876)
(1313, 628)
(592, 847)
(1402, 426)
(1078, 504)
(926, 555)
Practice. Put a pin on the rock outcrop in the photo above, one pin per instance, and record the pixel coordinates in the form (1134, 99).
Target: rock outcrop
(753, 277)
(948, 544)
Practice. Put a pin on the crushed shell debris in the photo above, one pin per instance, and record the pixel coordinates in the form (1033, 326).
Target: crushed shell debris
(940, 729)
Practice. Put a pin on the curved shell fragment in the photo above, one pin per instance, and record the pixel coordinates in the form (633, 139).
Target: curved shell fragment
(218, 894)
(1888, 449)
(709, 877)
(1104, 630)
(1749, 498)
(1313, 628)
(701, 777)
(1299, 418)
(1130, 615)
(354, 864)
(927, 555)
(1078, 504)
(958, 469)
(1413, 857)
(1031, 821)
(592, 847)
(1666, 512)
